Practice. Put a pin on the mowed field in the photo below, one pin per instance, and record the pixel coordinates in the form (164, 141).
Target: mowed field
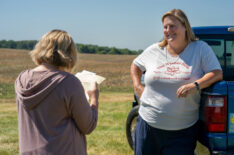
(116, 95)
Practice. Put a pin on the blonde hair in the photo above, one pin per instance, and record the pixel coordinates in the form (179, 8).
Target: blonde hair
(182, 18)
(56, 48)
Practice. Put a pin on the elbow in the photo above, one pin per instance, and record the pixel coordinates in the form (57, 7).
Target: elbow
(136, 74)
(91, 124)
(220, 76)
(89, 129)
(217, 75)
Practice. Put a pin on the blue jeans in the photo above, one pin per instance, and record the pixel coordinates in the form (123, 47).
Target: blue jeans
(152, 141)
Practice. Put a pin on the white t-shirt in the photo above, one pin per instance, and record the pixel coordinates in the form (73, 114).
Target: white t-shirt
(160, 106)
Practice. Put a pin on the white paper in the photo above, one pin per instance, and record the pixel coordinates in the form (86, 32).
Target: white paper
(87, 78)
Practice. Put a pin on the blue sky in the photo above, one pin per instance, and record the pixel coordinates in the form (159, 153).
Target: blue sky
(132, 24)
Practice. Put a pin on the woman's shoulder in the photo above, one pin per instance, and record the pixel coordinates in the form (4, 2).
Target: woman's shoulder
(27, 71)
(201, 47)
(71, 78)
(71, 82)
(24, 74)
(153, 48)
(199, 43)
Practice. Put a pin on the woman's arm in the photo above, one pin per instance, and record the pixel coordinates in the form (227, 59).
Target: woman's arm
(94, 95)
(136, 74)
(85, 115)
(210, 78)
(204, 82)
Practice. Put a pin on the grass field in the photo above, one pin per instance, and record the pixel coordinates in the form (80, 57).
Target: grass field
(115, 101)
(108, 138)
(114, 67)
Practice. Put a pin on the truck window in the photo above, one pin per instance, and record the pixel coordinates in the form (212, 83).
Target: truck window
(230, 53)
(224, 50)
(218, 47)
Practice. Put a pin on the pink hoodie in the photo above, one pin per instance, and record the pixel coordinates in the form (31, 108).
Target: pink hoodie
(53, 113)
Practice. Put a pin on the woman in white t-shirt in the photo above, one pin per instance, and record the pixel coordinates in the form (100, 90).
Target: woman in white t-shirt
(177, 68)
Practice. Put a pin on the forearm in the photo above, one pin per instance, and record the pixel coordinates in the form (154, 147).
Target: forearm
(94, 104)
(85, 115)
(136, 74)
(210, 78)
(94, 95)
(204, 82)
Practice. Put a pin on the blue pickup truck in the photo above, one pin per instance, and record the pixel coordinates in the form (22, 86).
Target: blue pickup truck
(216, 120)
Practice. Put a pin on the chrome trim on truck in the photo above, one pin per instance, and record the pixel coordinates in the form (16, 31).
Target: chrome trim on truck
(231, 29)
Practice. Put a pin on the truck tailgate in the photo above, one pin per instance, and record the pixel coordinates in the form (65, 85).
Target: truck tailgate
(215, 141)
(230, 127)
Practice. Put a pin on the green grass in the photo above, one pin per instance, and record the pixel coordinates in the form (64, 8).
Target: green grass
(8, 129)
(7, 91)
(108, 138)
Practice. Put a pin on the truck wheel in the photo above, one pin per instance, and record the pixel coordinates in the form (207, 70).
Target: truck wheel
(131, 125)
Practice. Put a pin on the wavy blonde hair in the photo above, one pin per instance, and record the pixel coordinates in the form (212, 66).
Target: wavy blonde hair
(56, 48)
(182, 18)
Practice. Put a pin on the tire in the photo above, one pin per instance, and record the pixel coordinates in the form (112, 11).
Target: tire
(131, 125)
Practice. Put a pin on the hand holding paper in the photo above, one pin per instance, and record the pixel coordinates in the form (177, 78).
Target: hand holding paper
(87, 79)
(93, 94)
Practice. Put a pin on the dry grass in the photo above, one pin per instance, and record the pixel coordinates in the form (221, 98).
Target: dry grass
(12, 62)
(114, 67)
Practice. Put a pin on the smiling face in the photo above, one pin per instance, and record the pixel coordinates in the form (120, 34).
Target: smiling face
(174, 31)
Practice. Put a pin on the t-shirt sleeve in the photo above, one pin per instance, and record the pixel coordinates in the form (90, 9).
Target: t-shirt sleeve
(141, 60)
(209, 61)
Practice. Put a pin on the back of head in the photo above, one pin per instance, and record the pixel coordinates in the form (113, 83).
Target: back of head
(56, 48)
(182, 18)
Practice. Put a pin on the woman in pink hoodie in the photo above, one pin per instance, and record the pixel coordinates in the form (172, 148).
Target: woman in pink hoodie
(53, 113)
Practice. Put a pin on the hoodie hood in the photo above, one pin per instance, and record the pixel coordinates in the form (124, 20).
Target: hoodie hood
(32, 87)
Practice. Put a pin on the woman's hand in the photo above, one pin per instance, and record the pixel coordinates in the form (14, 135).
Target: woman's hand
(185, 90)
(94, 95)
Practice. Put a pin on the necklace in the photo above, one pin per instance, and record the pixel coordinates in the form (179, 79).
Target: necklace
(169, 61)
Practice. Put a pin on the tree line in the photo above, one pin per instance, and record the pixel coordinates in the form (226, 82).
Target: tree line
(82, 48)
